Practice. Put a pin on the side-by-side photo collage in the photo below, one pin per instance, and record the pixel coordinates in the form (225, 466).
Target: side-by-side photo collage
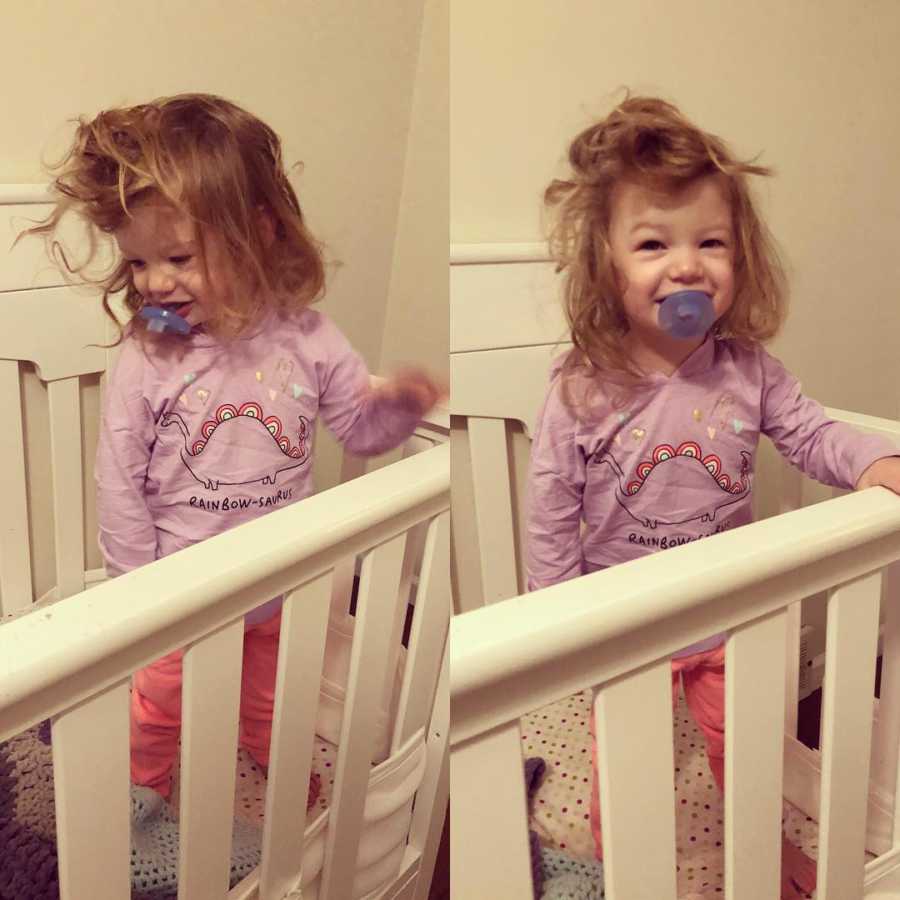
(451, 451)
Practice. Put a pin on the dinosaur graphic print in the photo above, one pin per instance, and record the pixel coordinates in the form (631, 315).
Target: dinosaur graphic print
(645, 498)
(240, 446)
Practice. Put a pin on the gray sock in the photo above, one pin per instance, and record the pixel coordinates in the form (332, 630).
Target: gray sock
(568, 878)
(154, 844)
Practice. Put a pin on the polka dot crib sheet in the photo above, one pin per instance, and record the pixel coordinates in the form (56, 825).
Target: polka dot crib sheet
(559, 733)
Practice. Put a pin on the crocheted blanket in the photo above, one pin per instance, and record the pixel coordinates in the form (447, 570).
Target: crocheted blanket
(28, 863)
(28, 866)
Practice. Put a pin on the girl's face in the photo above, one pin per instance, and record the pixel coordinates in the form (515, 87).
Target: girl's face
(667, 242)
(161, 246)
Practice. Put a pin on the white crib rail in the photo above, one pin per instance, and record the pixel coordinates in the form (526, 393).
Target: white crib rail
(72, 661)
(617, 629)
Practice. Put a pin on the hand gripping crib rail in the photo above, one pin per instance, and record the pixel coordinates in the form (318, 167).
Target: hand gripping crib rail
(511, 657)
(70, 657)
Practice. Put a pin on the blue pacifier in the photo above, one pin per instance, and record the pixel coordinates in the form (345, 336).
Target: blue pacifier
(161, 319)
(687, 314)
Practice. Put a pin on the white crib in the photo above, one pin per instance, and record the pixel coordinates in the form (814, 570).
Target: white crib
(70, 655)
(512, 657)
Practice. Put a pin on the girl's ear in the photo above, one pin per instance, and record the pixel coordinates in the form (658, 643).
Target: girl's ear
(266, 224)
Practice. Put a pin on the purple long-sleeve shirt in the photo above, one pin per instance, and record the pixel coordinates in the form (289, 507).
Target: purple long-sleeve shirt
(676, 463)
(195, 444)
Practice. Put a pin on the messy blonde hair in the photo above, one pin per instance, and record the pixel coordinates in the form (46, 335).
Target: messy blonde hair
(648, 141)
(215, 163)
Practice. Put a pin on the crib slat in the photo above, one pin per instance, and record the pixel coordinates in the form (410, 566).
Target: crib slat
(880, 828)
(15, 547)
(633, 721)
(847, 695)
(428, 634)
(304, 624)
(792, 668)
(493, 508)
(211, 689)
(486, 780)
(68, 497)
(754, 757)
(90, 779)
(887, 753)
(415, 537)
(431, 799)
(377, 604)
(790, 497)
(342, 585)
(342, 589)
(385, 701)
(886, 739)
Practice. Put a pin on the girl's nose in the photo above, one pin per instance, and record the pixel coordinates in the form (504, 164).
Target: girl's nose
(159, 283)
(686, 266)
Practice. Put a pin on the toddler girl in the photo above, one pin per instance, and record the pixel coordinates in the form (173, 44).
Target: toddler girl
(649, 429)
(208, 429)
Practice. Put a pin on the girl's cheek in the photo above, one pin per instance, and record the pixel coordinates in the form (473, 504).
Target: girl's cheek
(194, 284)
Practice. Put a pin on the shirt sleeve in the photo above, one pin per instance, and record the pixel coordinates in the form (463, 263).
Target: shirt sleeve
(363, 420)
(831, 452)
(556, 488)
(127, 535)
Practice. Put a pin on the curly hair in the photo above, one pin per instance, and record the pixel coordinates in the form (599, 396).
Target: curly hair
(215, 163)
(648, 141)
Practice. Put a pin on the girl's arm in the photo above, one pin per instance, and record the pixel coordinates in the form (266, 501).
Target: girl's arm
(833, 453)
(369, 420)
(127, 535)
(884, 472)
(555, 492)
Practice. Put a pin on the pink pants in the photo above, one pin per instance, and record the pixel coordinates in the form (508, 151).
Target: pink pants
(156, 707)
(703, 677)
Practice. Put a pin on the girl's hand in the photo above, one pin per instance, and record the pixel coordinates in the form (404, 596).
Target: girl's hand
(414, 389)
(883, 472)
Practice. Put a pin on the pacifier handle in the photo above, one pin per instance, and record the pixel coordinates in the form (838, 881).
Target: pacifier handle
(160, 319)
(687, 314)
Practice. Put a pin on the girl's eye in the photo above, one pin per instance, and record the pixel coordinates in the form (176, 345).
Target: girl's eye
(135, 263)
(180, 260)
(650, 245)
(713, 242)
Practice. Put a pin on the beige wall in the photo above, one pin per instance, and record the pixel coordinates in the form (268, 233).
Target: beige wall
(808, 86)
(336, 81)
(418, 322)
